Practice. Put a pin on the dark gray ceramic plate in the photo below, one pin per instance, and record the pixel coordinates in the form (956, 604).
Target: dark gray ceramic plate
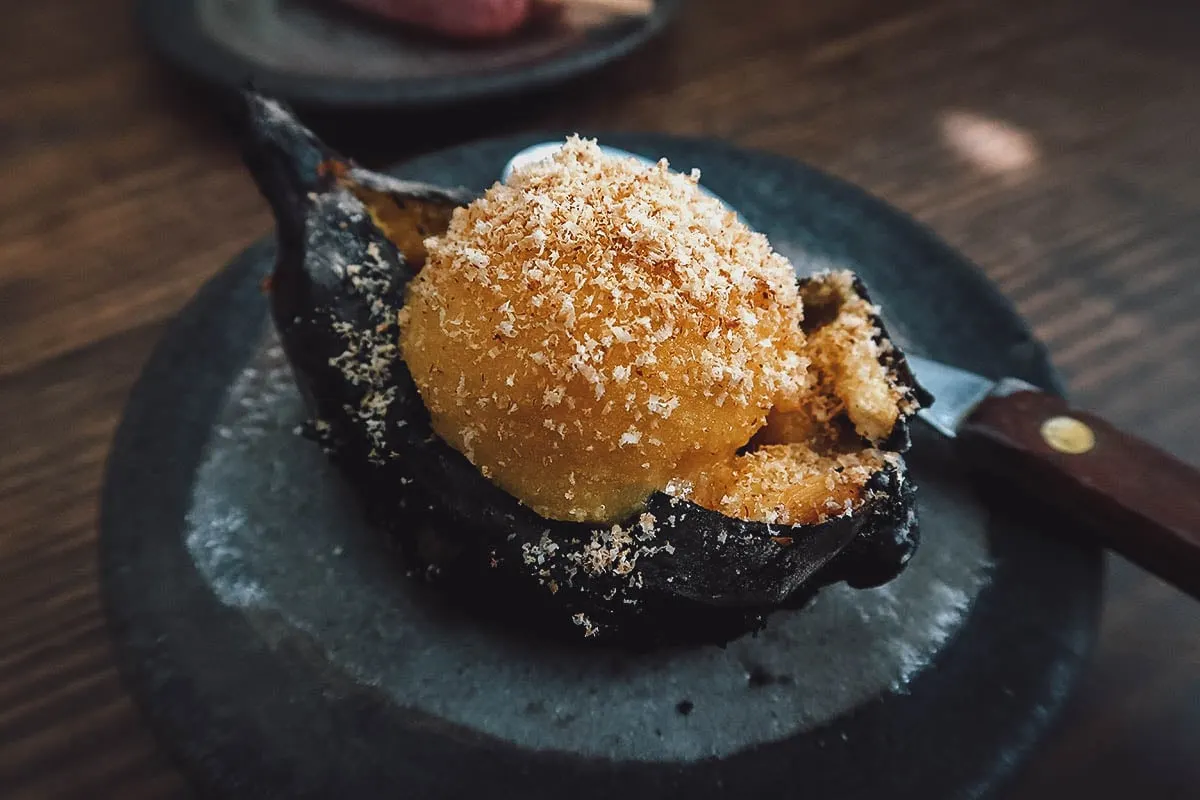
(280, 650)
(308, 53)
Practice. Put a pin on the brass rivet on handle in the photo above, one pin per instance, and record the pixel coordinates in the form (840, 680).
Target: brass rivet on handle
(1068, 435)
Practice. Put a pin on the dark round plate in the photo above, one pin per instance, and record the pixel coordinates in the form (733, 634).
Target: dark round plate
(279, 651)
(309, 53)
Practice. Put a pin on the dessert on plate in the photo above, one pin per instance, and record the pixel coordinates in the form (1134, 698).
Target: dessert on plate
(600, 391)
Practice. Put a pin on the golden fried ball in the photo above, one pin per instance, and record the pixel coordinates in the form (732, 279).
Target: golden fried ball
(595, 328)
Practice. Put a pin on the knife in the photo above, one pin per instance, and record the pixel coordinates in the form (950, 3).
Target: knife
(1126, 494)
(1130, 496)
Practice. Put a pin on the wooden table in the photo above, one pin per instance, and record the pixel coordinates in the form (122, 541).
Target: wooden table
(1054, 142)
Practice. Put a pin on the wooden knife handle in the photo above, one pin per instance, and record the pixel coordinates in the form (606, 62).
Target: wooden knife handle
(1136, 499)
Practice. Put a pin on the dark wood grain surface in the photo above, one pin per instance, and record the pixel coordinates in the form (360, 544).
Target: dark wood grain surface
(1053, 141)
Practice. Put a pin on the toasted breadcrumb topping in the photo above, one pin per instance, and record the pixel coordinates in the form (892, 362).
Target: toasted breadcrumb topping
(596, 327)
(848, 355)
(597, 330)
(788, 484)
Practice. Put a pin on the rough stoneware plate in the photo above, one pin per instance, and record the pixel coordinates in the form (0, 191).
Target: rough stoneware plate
(280, 650)
(309, 53)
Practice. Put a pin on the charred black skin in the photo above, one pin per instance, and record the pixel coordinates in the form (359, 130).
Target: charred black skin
(724, 575)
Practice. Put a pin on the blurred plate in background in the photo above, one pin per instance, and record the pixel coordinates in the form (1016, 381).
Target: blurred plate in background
(312, 53)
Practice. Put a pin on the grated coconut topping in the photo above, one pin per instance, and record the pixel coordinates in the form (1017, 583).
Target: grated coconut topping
(614, 304)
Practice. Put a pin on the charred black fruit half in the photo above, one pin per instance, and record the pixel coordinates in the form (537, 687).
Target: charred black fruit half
(680, 568)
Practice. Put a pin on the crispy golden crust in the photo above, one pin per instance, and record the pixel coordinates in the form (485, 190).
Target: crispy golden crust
(786, 484)
(814, 457)
(595, 328)
(847, 358)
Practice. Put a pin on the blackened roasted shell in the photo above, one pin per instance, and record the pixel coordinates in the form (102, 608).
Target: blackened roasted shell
(338, 283)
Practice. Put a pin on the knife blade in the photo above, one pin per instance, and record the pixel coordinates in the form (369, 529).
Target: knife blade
(1122, 491)
(956, 392)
